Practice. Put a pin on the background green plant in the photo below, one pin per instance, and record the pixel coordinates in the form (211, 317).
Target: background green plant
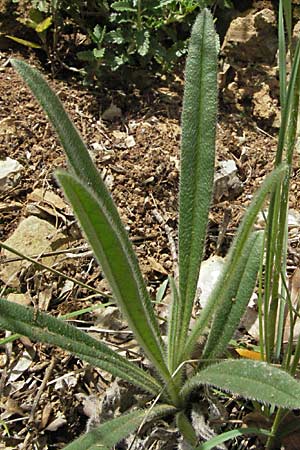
(275, 304)
(116, 34)
(100, 221)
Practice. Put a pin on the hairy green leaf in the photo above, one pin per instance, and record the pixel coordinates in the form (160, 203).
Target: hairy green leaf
(232, 434)
(197, 158)
(282, 57)
(83, 166)
(74, 147)
(235, 253)
(110, 433)
(41, 327)
(255, 380)
(120, 271)
(186, 428)
(118, 266)
(235, 298)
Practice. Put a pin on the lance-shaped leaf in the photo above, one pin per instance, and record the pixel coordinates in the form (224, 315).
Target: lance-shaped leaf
(235, 298)
(232, 434)
(42, 327)
(81, 162)
(83, 166)
(119, 266)
(73, 145)
(186, 428)
(236, 250)
(111, 432)
(197, 158)
(254, 380)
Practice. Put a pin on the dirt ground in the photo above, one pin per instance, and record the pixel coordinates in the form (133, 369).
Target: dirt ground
(137, 152)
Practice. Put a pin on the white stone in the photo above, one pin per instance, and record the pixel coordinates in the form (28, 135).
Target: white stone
(209, 274)
(9, 173)
(227, 185)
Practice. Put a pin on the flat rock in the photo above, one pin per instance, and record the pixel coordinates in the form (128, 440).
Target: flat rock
(46, 205)
(32, 237)
(40, 195)
(21, 299)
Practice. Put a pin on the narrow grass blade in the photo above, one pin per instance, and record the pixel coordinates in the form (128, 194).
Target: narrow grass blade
(9, 339)
(237, 249)
(282, 56)
(107, 435)
(174, 325)
(235, 298)
(229, 435)
(120, 268)
(29, 44)
(41, 327)
(276, 233)
(197, 158)
(289, 113)
(255, 380)
(287, 9)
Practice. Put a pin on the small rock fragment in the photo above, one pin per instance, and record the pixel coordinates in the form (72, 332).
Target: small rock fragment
(264, 106)
(109, 317)
(97, 147)
(10, 172)
(112, 112)
(129, 141)
(293, 219)
(7, 126)
(209, 274)
(227, 185)
(46, 205)
(22, 364)
(119, 135)
(56, 423)
(40, 195)
(21, 299)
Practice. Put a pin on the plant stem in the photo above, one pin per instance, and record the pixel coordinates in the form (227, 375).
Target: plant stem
(139, 14)
(272, 439)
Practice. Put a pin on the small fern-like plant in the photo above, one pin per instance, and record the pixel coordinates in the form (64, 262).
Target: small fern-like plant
(97, 214)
